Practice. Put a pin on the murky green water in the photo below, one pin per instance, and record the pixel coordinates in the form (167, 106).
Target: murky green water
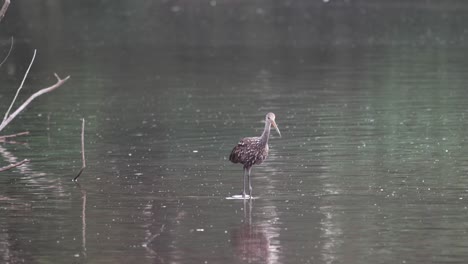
(370, 99)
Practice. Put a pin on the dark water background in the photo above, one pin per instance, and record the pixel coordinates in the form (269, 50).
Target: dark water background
(370, 97)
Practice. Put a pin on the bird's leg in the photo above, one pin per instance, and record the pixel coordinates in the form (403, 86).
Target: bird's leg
(244, 182)
(250, 184)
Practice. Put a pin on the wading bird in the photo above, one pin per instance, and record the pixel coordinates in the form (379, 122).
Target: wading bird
(253, 150)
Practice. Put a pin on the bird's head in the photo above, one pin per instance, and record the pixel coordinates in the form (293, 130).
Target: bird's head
(270, 119)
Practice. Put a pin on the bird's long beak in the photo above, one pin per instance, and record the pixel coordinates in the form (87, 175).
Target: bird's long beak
(276, 127)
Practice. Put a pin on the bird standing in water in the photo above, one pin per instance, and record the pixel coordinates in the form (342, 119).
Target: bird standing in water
(253, 150)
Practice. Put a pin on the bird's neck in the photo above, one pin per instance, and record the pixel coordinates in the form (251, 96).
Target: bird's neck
(266, 133)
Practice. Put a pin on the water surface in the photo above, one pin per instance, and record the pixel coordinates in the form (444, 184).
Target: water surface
(370, 99)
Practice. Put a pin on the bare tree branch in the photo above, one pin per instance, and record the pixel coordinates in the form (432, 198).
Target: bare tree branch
(82, 152)
(11, 166)
(30, 99)
(8, 55)
(20, 87)
(4, 9)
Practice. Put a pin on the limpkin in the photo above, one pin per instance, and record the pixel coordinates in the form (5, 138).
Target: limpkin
(253, 150)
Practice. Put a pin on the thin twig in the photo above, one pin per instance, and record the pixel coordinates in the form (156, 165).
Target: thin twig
(14, 165)
(14, 135)
(82, 143)
(20, 87)
(4, 9)
(30, 99)
(5, 137)
(11, 48)
(82, 152)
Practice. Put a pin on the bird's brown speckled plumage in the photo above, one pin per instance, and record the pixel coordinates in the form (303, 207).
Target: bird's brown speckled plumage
(249, 151)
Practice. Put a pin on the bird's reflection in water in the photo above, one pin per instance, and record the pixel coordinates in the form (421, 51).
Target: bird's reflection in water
(251, 241)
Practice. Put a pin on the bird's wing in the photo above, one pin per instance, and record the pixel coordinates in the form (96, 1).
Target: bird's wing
(238, 152)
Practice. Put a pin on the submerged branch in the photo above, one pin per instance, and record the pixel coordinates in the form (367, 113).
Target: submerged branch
(14, 165)
(4, 9)
(30, 99)
(82, 152)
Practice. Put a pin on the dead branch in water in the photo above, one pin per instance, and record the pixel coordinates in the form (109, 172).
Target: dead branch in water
(82, 152)
(4, 9)
(14, 165)
(20, 87)
(30, 99)
(2, 138)
(6, 138)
